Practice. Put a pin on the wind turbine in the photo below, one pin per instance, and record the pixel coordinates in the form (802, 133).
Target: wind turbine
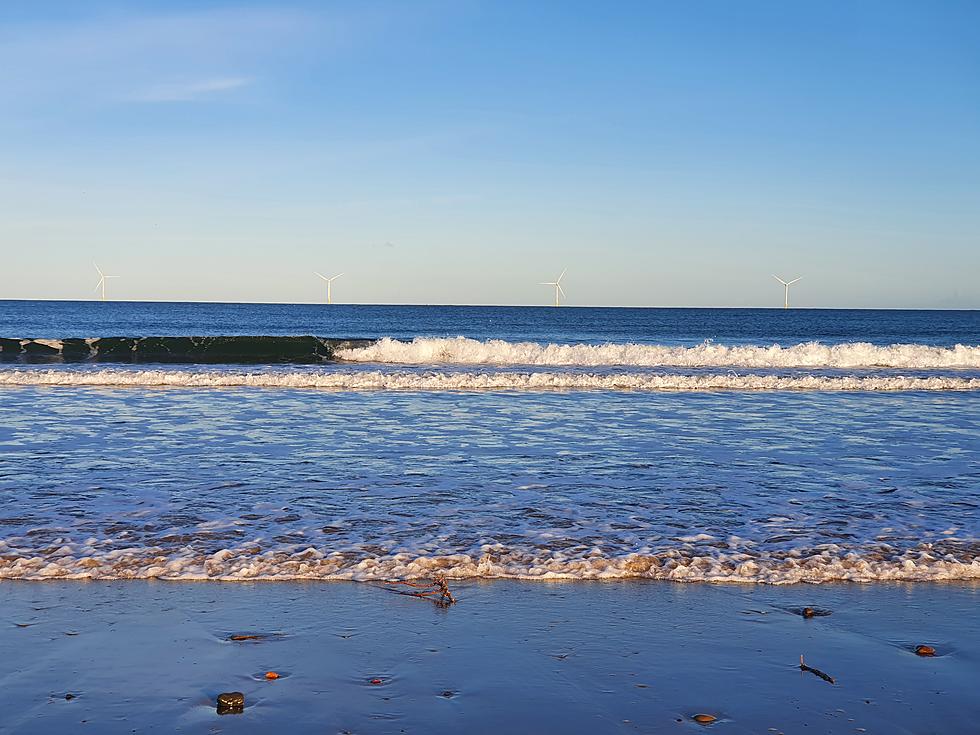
(102, 279)
(786, 285)
(558, 289)
(329, 281)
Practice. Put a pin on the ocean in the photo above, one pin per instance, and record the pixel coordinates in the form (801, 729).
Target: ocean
(270, 442)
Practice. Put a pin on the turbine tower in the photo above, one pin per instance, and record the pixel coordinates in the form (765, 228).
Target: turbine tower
(329, 281)
(102, 279)
(558, 289)
(786, 285)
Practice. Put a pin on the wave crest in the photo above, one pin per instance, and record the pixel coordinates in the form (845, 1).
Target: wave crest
(462, 350)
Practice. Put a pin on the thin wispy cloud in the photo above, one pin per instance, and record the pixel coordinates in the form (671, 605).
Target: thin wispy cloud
(152, 57)
(198, 90)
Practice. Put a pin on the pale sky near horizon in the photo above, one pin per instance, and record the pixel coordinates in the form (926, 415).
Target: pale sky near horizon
(665, 153)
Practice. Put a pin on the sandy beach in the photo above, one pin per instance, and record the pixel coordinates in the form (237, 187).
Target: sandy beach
(624, 657)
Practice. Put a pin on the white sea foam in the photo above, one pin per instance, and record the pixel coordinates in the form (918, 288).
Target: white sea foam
(828, 564)
(461, 350)
(468, 381)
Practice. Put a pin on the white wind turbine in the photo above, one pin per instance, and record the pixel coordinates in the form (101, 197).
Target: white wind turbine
(329, 281)
(558, 289)
(102, 279)
(786, 285)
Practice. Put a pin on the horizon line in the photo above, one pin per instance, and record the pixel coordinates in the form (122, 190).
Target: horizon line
(495, 306)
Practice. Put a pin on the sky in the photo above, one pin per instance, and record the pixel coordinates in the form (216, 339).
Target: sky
(436, 151)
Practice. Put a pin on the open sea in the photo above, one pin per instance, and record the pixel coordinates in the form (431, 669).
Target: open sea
(248, 441)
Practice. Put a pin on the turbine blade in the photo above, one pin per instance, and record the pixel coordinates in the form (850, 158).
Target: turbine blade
(336, 276)
(97, 268)
(779, 279)
(793, 281)
(321, 275)
(560, 289)
(547, 283)
(562, 275)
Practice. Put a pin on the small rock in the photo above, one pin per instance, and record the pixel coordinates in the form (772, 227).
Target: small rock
(231, 703)
(923, 650)
(704, 719)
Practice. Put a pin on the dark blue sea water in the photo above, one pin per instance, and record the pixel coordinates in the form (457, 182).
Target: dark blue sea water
(59, 319)
(687, 444)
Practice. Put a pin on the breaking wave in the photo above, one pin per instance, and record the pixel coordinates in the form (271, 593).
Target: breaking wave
(461, 350)
(341, 380)
(270, 350)
(830, 563)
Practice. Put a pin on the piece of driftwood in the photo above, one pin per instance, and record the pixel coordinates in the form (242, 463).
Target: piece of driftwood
(817, 672)
(436, 589)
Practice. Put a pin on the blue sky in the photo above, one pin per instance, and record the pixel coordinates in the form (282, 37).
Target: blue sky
(665, 153)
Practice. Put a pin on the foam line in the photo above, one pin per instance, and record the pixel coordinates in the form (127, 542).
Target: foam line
(435, 381)
(461, 350)
(829, 564)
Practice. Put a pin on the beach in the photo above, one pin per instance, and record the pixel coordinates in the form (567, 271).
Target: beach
(584, 657)
(632, 519)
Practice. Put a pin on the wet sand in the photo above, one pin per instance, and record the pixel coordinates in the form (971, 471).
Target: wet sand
(510, 657)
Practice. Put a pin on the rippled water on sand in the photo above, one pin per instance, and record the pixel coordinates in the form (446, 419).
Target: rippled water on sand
(257, 483)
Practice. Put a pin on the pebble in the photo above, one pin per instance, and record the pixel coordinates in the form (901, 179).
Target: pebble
(230, 702)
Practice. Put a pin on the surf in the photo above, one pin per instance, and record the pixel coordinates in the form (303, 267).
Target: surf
(453, 381)
(463, 350)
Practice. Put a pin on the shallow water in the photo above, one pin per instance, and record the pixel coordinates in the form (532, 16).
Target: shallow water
(230, 483)
(804, 446)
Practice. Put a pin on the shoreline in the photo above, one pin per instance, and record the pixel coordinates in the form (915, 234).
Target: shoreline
(585, 656)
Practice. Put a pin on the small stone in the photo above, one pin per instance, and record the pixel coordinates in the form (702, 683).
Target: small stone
(231, 703)
(704, 719)
(923, 650)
